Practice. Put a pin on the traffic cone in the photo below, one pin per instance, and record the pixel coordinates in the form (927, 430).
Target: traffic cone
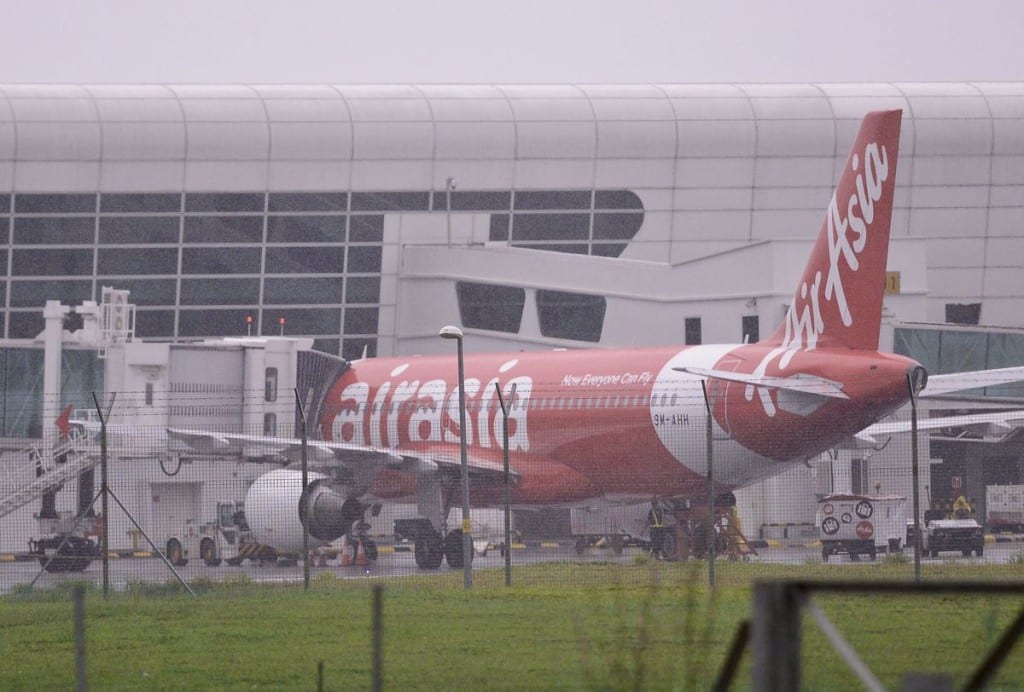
(361, 559)
(346, 558)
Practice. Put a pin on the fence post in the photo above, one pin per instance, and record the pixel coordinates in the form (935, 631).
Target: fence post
(915, 476)
(712, 537)
(305, 496)
(776, 637)
(508, 487)
(378, 638)
(78, 608)
(104, 539)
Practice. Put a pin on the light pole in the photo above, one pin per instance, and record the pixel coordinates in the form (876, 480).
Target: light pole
(452, 332)
(449, 185)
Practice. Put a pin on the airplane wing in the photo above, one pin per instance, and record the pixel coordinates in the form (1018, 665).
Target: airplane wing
(996, 424)
(939, 385)
(801, 383)
(328, 456)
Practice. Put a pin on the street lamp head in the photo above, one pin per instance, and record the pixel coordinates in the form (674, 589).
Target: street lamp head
(450, 332)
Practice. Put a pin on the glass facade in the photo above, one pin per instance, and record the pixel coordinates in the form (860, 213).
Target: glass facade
(943, 351)
(582, 222)
(202, 264)
(21, 396)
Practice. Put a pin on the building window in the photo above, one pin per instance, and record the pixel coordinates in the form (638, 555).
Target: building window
(149, 394)
(552, 199)
(751, 329)
(270, 385)
(306, 229)
(573, 316)
(361, 321)
(304, 291)
(307, 201)
(224, 229)
(963, 313)
(224, 201)
(269, 424)
(486, 306)
(693, 336)
(390, 201)
(859, 476)
(146, 202)
(220, 291)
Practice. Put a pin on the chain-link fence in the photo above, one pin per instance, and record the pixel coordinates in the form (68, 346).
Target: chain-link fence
(617, 477)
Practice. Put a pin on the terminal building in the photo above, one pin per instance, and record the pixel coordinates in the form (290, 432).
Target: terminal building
(363, 218)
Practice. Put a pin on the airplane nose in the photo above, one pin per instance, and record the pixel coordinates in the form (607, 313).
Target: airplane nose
(918, 378)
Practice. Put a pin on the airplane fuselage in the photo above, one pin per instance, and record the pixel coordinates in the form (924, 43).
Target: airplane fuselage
(612, 423)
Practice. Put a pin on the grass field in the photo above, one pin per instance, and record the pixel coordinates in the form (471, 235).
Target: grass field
(563, 626)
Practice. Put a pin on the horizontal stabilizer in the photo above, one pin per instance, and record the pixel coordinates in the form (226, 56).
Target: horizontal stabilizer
(999, 424)
(802, 383)
(939, 385)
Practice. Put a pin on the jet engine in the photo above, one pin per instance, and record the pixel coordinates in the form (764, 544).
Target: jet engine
(276, 508)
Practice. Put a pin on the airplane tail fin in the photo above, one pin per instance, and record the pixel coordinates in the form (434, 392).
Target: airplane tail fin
(838, 301)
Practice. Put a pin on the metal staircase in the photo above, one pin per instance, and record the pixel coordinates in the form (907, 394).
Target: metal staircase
(28, 474)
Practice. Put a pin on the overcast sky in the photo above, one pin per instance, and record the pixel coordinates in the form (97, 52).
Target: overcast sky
(484, 41)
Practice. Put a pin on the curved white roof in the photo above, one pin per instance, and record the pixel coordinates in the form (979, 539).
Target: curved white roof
(148, 137)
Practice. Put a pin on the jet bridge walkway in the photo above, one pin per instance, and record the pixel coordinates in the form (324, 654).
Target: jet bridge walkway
(30, 473)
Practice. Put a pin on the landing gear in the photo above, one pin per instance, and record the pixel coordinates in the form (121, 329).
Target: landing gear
(453, 549)
(673, 545)
(429, 550)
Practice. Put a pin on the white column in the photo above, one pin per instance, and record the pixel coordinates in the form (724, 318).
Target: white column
(53, 317)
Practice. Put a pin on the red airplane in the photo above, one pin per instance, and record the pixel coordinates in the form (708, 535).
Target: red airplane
(626, 425)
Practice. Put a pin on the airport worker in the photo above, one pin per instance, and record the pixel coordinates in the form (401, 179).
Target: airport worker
(961, 508)
(656, 527)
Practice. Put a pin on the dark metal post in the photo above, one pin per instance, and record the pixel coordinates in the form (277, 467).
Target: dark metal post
(378, 637)
(776, 637)
(508, 487)
(305, 490)
(104, 539)
(712, 539)
(78, 606)
(915, 474)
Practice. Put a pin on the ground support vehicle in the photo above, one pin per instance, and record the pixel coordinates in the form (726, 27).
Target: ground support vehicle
(858, 525)
(64, 552)
(226, 539)
(1004, 507)
(67, 546)
(616, 527)
(941, 535)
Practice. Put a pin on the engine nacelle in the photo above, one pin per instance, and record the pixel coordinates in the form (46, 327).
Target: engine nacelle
(276, 507)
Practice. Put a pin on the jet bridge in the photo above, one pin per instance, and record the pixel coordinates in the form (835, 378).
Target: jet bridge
(31, 473)
(236, 384)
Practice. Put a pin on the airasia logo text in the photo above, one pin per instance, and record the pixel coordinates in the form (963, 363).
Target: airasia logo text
(396, 414)
(847, 236)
